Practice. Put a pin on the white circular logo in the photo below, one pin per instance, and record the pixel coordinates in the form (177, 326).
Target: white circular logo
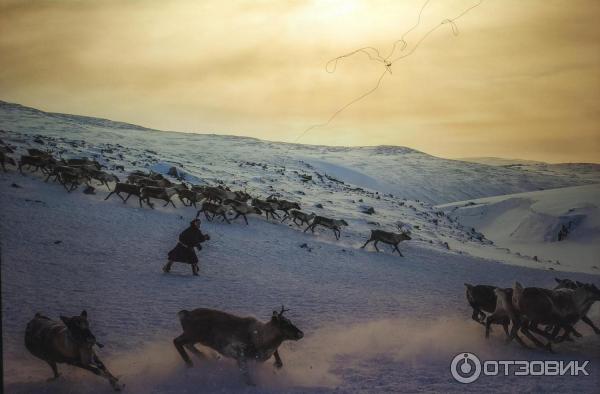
(465, 367)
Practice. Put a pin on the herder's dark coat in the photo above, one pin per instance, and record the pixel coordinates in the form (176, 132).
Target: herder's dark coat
(184, 251)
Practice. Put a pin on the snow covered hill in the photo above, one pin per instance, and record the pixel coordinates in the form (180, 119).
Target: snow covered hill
(373, 322)
(404, 172)
(498, 161)
(558, 224)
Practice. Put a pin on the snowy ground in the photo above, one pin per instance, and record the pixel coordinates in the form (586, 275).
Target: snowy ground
(531, 224)
(374, 322)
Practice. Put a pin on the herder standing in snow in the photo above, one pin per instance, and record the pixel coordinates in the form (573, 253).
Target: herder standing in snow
(184, 252)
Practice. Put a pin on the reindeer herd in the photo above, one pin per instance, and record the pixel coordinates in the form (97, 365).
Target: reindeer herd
(215, 201)
(531, 311)
(534, 310)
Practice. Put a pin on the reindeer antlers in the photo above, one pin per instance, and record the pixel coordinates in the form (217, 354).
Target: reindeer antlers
(283, 310)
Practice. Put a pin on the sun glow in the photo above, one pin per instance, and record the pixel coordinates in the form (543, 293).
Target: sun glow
(515, 78)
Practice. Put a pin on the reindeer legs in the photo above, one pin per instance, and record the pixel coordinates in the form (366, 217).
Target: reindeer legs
(100, 370)
(278, 362)
(52, 365)
(242, 215)
(169, 201)
(369, 240)
(179, 342)
(591, 324)
(568, 329)
(536, 341)
(398, 250)
(515, 334)
(112, 379)
(195, 351)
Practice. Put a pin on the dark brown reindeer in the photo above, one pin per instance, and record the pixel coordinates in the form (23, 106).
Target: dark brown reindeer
(191, 196)
(266, 207)
(84, 162)
(71, 181)
(39, 162)
(333, 224)
(38, 152)
(242, 209)
(135, 176)
(70, 343)
(4, 159)
(127, 188)
(164, 183)
(69, 177)
(160, 193)
(298, 216)
(215, 209)
(503, 313)
(387, 238)
(220, 194)
(241, 338)
(283, 205)
(570, 284)
(104, 177)
(561, 308)
(488, 309)
(482, 299)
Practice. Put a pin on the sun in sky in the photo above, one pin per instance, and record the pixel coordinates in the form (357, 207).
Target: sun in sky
(520, 80)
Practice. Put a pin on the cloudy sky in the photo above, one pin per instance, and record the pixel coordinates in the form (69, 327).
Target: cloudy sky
(521, 80)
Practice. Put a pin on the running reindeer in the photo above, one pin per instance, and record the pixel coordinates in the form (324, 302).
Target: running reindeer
(333, 224)
(127, 188)
(297, 215)
(240, 338)
(387, 238)
(558, 309)
(242, 209)
(70, 343)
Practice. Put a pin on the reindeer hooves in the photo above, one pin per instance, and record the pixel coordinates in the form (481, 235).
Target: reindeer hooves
(52, 379)
(278, 365)
(116, 386)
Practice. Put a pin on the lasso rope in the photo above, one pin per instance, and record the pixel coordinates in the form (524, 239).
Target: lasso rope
(374, 55)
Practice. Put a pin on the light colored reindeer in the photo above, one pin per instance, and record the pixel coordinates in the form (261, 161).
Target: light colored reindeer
(387, 238)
